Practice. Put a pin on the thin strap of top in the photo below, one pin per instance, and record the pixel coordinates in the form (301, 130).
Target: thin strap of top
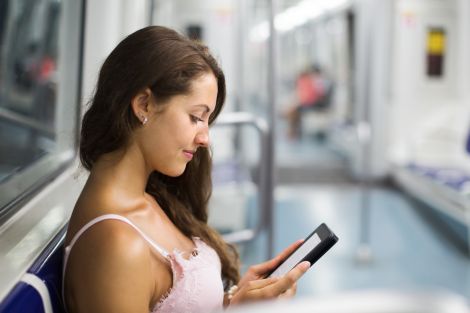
(98, 219)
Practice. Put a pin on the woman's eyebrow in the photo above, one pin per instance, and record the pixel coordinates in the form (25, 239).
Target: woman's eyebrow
(207, 109)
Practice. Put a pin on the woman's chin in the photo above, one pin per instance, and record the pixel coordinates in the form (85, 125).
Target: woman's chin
(175, 172)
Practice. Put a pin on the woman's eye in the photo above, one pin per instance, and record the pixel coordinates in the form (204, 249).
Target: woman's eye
(196, 119)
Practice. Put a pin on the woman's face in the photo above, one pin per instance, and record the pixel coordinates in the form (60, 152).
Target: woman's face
(173, 134)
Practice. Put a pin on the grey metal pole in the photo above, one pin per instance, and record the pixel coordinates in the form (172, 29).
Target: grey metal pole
(364, 251)
(364, 132)
(272, 74)
(239, 72)
(151, 6)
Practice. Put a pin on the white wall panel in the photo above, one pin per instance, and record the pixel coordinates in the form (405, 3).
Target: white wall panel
(107, 23)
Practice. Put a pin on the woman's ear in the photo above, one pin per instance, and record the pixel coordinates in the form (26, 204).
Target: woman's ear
(141, 104)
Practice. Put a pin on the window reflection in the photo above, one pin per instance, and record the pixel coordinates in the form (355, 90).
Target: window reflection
(28, 82)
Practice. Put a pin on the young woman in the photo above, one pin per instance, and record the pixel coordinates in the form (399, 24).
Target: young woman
(138, 239)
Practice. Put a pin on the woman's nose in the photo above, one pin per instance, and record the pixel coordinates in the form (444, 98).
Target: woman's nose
(202, 138)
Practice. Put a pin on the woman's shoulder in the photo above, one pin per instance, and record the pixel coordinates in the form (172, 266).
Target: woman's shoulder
(94, 219)
(110, 259)
(107, 221)
(111, 237)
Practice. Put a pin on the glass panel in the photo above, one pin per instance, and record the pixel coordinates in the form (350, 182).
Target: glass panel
(38, 68)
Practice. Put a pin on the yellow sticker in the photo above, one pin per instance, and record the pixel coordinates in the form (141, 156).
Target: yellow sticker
(436, 42)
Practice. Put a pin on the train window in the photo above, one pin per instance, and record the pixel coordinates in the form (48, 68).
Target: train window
(39, 90)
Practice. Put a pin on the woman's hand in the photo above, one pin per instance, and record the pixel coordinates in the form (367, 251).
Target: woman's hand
(270, 288)
(260, 271)
(254, 287)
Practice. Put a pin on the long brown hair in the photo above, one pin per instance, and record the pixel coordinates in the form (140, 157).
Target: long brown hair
(167, 62)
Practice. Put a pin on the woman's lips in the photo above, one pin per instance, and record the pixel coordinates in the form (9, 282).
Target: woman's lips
(188, 154)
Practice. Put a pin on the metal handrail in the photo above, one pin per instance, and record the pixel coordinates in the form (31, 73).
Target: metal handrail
(26, 121)
(265, 212)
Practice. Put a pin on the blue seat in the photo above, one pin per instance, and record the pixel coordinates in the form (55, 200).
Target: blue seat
(40, 288)
(23, 298)
(452, 177)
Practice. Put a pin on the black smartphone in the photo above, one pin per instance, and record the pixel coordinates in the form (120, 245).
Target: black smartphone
(312, 249)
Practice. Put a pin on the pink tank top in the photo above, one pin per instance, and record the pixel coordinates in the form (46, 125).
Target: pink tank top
(197, 283)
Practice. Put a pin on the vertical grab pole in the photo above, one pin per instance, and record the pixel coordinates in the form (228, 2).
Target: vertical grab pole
(151, 6)
(364, 251)
(269, 192)
(364, 135)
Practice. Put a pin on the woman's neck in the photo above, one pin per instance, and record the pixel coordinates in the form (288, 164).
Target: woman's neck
(123, 170)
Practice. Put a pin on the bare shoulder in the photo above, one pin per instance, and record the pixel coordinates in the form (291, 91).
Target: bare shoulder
(110, 270)
(112, 237)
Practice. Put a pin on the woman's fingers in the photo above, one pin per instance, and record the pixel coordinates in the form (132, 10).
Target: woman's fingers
(261, 283)
(258, 271)
(289, 293)
(290, 278)
(298, 271)
(283, 285)
(251, 290)
(267, 266)
(272, 287)
(288, 251)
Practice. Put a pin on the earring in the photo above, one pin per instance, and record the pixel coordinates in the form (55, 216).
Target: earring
(144, 120)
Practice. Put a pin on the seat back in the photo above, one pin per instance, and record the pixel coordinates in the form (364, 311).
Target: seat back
(40, 288)
(23, 298)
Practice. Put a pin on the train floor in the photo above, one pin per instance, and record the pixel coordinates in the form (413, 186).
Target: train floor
(406, 252)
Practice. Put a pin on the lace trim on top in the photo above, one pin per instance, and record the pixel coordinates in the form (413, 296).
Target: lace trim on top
(192, 281)
(193, 254)
(177, 260)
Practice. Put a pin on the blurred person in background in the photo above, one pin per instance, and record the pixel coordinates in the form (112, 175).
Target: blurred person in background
(311, 90)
